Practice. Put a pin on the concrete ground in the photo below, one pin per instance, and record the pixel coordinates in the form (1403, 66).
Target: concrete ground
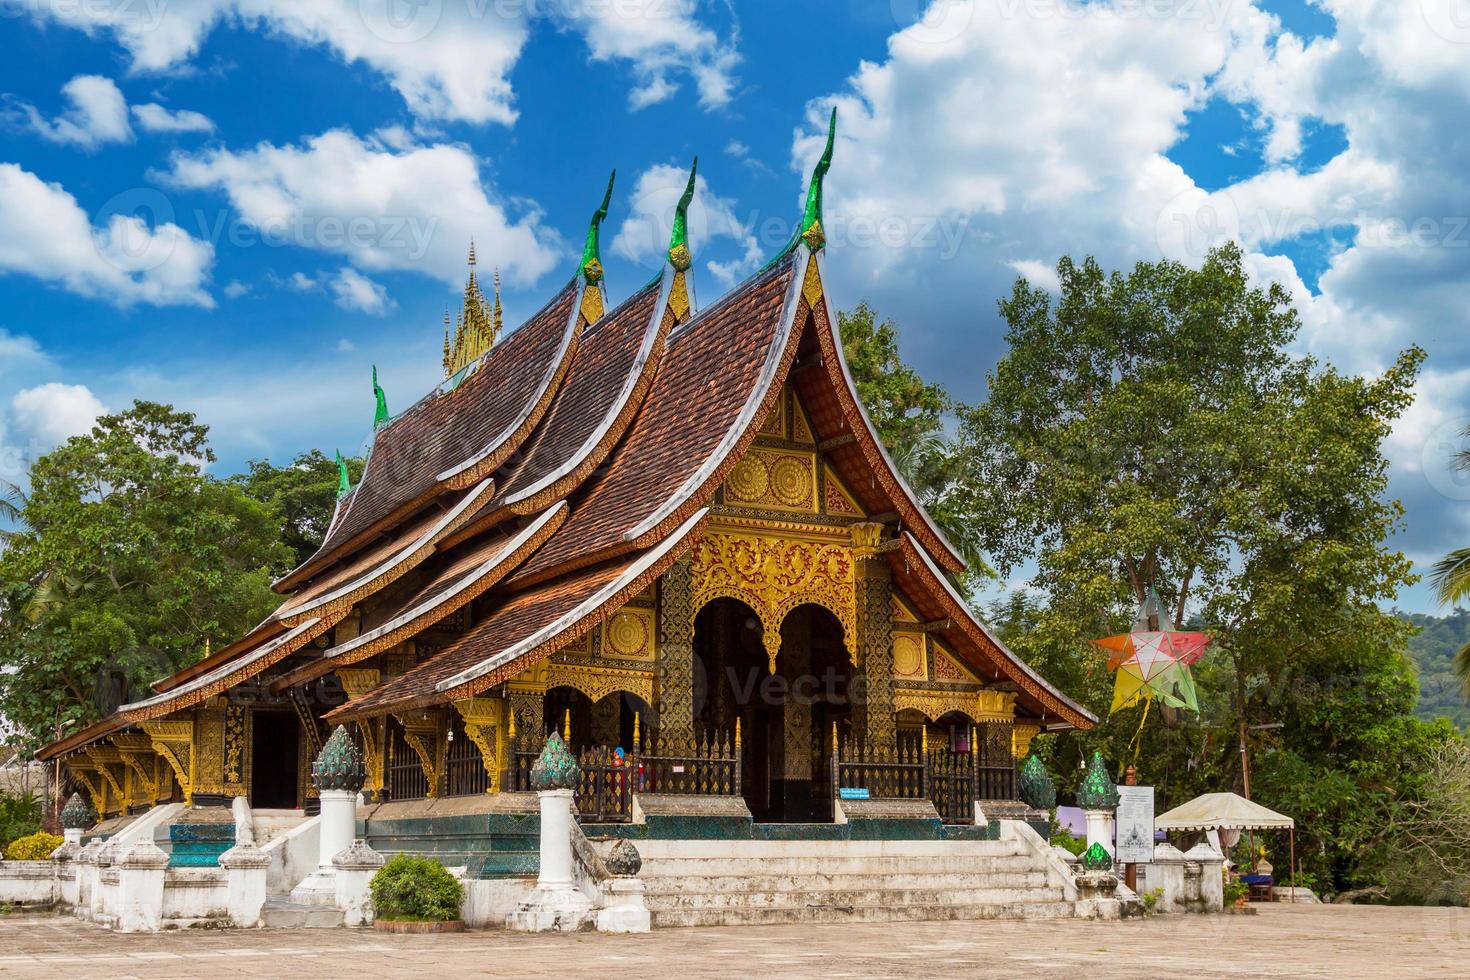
(1279, 941)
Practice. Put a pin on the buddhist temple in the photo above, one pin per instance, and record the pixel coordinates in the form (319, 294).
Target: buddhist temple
(666, 532)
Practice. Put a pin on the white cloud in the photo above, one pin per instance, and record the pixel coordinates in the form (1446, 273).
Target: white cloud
(54, 412)
(354, 291)
(301, 282)
(97, 113)
(1019, 133)
(1037, 273)
(154, 118)
(345, 346)
(120, 258)
(414, 208)
(644, 234)
(448, 60)
(235, 289)
(19, 353)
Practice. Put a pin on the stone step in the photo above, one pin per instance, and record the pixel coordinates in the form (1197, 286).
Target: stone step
(794, 914)
(719, 867)
(657, 884)
(947, 850)
(278, 914)
(750, 900)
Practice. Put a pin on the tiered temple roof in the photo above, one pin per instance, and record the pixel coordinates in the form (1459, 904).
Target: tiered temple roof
(557, 473)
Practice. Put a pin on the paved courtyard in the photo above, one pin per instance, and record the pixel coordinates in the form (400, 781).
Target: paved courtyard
(1280, 941)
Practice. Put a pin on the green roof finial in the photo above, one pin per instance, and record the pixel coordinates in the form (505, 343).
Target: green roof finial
(344, 482)
(811, 221)
(591, 252)
(380, 415)
(679, 255)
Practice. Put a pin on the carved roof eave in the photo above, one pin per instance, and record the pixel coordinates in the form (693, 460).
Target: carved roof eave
(419, 617)
(970, 636)
(553, 637)
(228, 675)
(466, 473)
(373, 579)
(76, 740)
(559, 483)
(906, 503)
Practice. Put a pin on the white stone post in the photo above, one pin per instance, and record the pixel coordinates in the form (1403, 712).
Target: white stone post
(1100, 828)
(246, 869)
(356, 866)
(140, 872)
(72, 835)
(338, 775)
(1212, 875)
(557, 904)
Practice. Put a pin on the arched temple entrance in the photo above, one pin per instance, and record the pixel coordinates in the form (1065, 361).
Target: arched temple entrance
(787, 718)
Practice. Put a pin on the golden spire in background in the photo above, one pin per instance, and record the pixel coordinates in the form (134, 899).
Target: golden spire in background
(478, 326)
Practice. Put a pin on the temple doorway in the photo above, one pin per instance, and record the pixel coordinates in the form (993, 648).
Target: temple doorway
(786, 719)
(275, 748)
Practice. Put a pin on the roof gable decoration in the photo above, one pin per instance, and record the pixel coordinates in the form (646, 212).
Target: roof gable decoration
(594, 300)
(681, 260)
(381, 416)
(344, 480)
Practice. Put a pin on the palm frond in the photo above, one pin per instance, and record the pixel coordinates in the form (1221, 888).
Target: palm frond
(1450, 576)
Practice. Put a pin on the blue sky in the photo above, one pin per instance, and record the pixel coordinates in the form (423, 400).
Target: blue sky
(239, 206)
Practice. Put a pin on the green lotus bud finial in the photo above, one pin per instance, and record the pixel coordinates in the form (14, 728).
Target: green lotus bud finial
(556, 768)
(1037, 789)
(592, 251)
(344, 481)
(811, 219)
(1097, 858)
(339, 766)
(679, 255)
(77, 814)
(380, 415)
(1097, 791)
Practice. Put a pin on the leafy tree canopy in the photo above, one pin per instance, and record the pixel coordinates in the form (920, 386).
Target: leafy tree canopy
(130, 558)
(304, 493)
(1151, 429)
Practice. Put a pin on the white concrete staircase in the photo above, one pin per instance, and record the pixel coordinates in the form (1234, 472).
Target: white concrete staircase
(706, 883)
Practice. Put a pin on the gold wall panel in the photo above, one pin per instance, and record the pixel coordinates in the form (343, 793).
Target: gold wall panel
(775, 479)
(629, 634)
(908, 656)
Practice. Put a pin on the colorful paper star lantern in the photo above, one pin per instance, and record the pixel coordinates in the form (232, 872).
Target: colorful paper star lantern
(1153, 660)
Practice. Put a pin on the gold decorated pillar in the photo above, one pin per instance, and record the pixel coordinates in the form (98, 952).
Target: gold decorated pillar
(675, 657)
(484, 725)
(873, 644)
(174, 741)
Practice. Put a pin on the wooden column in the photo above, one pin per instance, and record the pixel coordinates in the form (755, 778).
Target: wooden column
(676, 657)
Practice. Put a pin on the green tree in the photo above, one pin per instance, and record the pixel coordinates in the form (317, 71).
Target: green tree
(1151, 430)
(130, 559)
(304, 493)
(910, 415)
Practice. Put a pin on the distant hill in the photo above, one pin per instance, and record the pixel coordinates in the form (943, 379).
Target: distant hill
(1433, 649)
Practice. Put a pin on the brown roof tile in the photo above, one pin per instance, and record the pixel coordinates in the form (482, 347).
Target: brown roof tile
(614, 366)
(720, 369)
(453, 438)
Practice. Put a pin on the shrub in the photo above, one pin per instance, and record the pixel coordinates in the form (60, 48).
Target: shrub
(1074, 844)
(417, 888)
(36, 847)
(20, 815)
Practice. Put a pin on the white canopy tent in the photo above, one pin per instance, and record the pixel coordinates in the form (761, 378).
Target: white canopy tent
(1228, 814)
